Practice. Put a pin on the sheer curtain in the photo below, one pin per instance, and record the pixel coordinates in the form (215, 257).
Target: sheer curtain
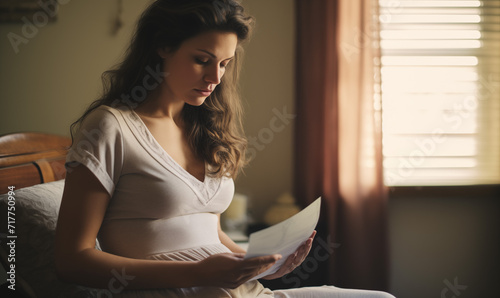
(338, 136)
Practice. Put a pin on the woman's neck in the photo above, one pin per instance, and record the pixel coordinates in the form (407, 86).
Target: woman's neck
(160, 104)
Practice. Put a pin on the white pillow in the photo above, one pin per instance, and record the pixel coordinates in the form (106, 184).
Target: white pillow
(37, 208)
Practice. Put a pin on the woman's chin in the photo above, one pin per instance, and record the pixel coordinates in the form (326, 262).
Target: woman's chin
(196, 103)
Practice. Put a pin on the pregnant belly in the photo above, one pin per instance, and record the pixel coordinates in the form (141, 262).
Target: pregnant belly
(140, 238)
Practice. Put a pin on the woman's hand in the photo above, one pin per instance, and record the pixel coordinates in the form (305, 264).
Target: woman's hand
(230, 270)
(294, 260)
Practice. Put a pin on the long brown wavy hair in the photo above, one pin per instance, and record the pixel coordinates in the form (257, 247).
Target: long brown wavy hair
(214, 129)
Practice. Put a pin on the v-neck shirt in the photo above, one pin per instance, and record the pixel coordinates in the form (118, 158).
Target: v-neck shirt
(156, 206)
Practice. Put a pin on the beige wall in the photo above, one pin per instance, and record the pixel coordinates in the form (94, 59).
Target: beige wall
(48, 83)
(268, 91)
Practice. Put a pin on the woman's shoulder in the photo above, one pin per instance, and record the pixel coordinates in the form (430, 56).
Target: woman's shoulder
(108, 111)
(105, 114)
(104, 118)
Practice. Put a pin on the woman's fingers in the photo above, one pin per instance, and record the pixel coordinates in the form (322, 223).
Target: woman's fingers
(254, 266)
(238, 255)
(231, 269)
(262, 261)
(258, 265)
(313, 234)
(295, 259)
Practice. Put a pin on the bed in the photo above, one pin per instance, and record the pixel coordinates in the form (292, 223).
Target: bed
(28, 159)
(32, 168)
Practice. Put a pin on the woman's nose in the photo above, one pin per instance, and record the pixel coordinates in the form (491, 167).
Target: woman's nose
(213, 75)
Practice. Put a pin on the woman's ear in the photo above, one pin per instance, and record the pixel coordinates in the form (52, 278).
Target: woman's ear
(163, 52)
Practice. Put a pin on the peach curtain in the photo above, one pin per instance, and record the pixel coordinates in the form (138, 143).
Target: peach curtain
(338, 135)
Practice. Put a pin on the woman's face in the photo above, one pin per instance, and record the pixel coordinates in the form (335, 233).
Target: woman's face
(196, 68)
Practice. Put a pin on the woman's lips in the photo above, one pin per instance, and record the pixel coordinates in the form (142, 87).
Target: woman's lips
(203, 92)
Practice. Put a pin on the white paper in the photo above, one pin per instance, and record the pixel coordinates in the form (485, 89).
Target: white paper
(285, 237)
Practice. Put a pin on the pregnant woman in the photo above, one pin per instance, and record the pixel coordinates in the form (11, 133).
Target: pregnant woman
(152, 164)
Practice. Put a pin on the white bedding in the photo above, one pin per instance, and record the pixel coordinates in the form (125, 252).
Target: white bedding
(36, 214)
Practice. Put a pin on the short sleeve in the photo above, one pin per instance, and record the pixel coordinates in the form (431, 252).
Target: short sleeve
(98, 145)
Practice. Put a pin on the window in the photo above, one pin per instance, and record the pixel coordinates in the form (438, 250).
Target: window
(440, 88)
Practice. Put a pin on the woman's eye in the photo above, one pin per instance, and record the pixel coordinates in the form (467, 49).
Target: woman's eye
(201, 61)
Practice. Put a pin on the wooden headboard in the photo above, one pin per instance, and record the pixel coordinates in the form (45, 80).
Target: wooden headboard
(31, 158)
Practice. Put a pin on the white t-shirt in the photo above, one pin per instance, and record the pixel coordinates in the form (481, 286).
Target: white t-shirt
(156, 206)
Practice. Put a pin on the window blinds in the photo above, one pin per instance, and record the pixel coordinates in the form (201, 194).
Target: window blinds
(440, 88)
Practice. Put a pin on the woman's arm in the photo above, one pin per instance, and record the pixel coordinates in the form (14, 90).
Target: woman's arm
(228, 242)
(82, 210)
